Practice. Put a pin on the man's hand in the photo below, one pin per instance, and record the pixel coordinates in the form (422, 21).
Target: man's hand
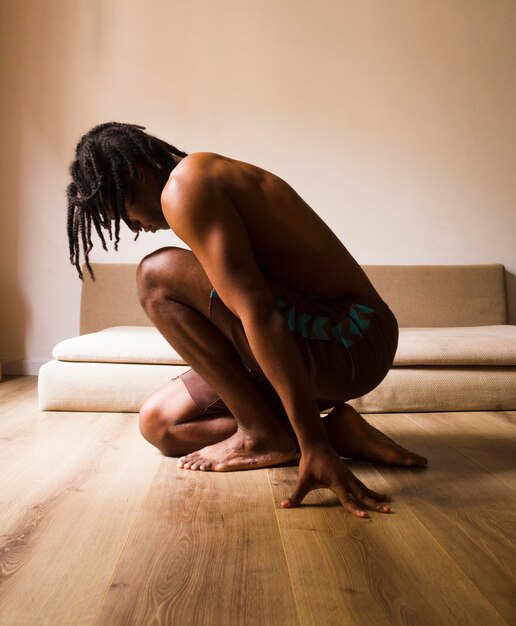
(322, 467)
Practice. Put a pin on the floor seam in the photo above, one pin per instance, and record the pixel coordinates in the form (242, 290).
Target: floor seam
(493, 418)
(122, 550)
(414, 514)
(463, 455)
(294, 594)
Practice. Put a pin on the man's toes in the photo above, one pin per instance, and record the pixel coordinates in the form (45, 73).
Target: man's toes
(195, 465)
(408, 458)
(185, 462)
(419, 460)
(194, 462)
(189, 465)
(415, 460)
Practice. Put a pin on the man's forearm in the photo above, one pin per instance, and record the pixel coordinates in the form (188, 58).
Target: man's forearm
(278, 355)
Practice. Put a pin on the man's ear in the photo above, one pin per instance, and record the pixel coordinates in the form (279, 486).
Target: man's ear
(140, 173)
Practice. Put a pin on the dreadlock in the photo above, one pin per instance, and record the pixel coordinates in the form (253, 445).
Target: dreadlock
(103, 176)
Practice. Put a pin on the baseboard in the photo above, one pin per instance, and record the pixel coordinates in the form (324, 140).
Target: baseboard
(21, 367)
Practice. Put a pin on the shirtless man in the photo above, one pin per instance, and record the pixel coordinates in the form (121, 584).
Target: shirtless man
(272, 313)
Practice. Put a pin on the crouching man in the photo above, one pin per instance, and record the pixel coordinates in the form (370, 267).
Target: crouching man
(276, 319)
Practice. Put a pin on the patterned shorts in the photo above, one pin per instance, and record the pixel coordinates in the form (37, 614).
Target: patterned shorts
(348, 346)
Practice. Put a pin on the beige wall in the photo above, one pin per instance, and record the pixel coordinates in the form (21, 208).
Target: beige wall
(395, 120)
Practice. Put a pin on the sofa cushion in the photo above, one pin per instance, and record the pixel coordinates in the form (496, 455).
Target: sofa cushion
(120, 344)
(442, 295)
(483, 345)
(475, 345)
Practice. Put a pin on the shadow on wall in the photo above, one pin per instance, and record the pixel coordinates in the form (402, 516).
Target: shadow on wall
(15, 318)
(510, 286)
(40, 45)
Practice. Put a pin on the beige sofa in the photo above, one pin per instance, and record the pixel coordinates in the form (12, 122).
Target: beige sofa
(456, 350)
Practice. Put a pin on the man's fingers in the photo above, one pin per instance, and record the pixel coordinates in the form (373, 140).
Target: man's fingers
(300, 491)
(379, 497)
(361, 495)
(351, 506)
(373, 505)
(348, 503)
(353, 495)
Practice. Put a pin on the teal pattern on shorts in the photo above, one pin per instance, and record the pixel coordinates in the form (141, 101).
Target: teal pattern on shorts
(319, 327)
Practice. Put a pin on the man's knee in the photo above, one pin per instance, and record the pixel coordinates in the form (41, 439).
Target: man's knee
(172, 274)
(156, 272)
(150, 422)
(156, 430)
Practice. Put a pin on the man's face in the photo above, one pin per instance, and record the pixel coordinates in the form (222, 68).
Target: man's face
(144, 209)
(140, 216)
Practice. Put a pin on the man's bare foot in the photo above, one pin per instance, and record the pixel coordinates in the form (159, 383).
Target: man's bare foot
(241, 451)
(354, 438)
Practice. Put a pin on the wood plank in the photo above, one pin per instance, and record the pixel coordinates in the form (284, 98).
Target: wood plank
(12, 387)
(35, 444)
(17, 397)
(41, 452)
(60, 543)
(506, 417)
(208, 551)
(470, 512)
(481, 437)
(386, 570)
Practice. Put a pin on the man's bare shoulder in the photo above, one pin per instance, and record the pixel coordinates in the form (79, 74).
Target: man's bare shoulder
(200, 167)
(198, 183)
(217, 169)
(194, 174)
(208, 173)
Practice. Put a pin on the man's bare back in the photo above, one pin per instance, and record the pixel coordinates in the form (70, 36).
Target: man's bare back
(291, 244)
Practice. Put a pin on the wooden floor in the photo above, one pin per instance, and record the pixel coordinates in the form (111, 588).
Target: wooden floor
(97, 527)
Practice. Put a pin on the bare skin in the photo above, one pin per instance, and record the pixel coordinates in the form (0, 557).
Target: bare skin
(179, 432)
(245, 225)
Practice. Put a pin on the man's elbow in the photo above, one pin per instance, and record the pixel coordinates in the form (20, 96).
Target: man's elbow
(263, 316)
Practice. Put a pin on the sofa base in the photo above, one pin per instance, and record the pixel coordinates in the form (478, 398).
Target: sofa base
(436, 389)
(104, 387)
(67, 386)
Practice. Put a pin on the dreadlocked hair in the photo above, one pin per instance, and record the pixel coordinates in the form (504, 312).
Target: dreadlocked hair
(103, 176)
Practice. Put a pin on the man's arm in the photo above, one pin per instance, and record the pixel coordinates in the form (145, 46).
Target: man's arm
(204, 217)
